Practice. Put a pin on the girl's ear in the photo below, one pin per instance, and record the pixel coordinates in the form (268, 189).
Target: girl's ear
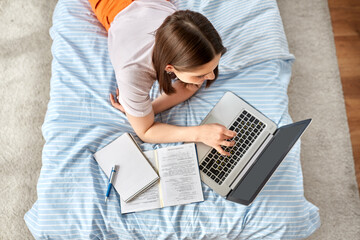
(169, 68)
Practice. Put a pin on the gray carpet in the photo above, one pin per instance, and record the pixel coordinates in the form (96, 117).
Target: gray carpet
(315, 91)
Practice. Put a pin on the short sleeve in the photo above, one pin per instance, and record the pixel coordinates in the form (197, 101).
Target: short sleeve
(134, 87)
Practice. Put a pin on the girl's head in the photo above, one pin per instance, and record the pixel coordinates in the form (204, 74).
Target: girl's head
(188, 47)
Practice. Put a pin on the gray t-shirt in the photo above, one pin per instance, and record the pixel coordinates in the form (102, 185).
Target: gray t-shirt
(131, 40)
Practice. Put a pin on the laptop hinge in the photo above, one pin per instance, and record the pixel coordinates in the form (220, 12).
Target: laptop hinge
(251, 161)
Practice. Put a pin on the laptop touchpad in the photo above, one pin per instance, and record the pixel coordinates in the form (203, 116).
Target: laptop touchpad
(212, 119)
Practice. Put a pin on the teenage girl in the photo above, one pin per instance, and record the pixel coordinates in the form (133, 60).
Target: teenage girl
(149, 40)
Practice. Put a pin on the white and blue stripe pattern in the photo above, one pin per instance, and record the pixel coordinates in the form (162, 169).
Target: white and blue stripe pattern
(80, 121)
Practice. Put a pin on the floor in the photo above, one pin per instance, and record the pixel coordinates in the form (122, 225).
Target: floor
(345, 17)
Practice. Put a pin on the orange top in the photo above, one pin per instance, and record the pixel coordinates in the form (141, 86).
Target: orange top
(106, 10)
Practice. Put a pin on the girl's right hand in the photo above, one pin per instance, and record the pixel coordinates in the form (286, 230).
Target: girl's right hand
(216, 135)
(115, 102)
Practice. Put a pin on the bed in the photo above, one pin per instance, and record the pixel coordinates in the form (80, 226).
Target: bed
(80, 120)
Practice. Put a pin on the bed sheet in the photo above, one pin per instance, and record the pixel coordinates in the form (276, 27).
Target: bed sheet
(80, 121)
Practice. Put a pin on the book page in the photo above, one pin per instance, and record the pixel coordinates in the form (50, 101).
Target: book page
(179, 175)
(147, 200)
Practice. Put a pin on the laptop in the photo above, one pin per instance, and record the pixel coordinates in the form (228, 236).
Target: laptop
(259, 149)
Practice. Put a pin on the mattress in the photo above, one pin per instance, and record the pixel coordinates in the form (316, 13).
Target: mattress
(80, 121)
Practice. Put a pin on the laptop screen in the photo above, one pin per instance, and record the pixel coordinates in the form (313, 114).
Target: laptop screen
(253, 181)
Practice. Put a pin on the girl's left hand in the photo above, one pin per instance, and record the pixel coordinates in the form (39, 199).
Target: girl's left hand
(115, 103)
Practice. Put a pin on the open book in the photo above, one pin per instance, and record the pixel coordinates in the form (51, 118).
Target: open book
(134, 174)
(179, 183)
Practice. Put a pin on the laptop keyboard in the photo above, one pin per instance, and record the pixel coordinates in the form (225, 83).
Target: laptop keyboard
(218, 166)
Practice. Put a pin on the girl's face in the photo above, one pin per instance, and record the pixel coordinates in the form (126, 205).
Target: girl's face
(198, 75)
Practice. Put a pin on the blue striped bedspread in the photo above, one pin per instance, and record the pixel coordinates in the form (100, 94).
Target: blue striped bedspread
(80, 120)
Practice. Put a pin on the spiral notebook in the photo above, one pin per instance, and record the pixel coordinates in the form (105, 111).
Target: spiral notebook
(134, 173)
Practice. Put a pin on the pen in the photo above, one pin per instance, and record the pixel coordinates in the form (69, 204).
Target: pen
(110, 183)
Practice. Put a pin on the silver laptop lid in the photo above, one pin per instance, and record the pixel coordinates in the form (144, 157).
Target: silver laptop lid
(266, 163)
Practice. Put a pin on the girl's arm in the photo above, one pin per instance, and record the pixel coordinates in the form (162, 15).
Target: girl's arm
(213, 135)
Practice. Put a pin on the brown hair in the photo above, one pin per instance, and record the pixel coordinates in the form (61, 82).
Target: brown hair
(186, 40)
